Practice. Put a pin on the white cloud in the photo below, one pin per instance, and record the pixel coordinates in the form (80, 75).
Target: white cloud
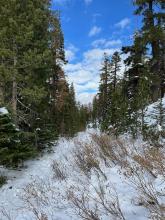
(70, 55)
(97, 54)
(87, 2)
(85, 97)
(86, 74)
(70, 52)
(106, 43)
(94, 31)
(123, 23)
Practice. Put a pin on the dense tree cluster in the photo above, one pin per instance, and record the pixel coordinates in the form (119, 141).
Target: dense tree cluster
(33, 85)
(121, 102)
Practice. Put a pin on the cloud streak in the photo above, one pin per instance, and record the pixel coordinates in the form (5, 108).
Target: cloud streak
(106, 43)
(95, 30)
(123, 23)
(87, 2)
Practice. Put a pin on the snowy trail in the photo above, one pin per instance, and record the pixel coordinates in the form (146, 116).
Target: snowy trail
(39, 173)
(9, 197)
(39, 168)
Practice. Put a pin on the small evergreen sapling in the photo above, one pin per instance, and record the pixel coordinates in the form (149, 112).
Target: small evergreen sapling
(14, 148)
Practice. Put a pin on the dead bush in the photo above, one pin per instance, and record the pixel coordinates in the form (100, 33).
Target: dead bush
(111, 149)
(6, 214)
(149, 196)
(85, 157)
(40, 198)
(152, 160)
(58, 171)
(108, 199)
(93, 206)
(81, 203)
(157, 158)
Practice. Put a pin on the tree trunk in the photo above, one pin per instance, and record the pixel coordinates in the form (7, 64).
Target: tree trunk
(154, 43)
(1, 94)
(115, 77)
(14, 94)
(163, 69)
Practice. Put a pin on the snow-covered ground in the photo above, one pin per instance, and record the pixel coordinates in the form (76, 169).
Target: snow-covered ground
(39, 176)
(58, 187)
(39, 191)
(152, 113)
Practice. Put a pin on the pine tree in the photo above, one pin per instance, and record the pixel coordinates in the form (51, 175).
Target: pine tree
(73, 111)
(32, 80)
(153, 35)
(114, 93)
(95, 111)
(115, 69)
(24, 53)
(134, 61)
(14, 145)
(83, 117)
(104, 90)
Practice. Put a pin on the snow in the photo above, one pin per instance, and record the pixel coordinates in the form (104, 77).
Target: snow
(38, 177)
(3, 111)
(152, 112)
(38, 129)
(37, 190)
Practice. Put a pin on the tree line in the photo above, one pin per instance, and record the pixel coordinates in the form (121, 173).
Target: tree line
(33, 85)
(120, 104)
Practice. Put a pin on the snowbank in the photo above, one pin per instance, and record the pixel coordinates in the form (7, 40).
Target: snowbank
(152, 113)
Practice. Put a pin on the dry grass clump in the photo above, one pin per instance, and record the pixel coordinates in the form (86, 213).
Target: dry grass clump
(148, 195)
(58, 171)
(81, 204)
(111, 150)
(152, 160)
(103, 201)
(40, 198)
(147, 165)
(92, 202)
(86, 157)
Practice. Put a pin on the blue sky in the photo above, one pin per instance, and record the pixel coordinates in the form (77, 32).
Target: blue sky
(92, 27)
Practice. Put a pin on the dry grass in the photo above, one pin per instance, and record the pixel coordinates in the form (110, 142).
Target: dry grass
(111, 150)
(94, 203)
(58, 171)
(6, 214)
(85, 157)
(40, 198)
(81, 204)
(142, 165)
(152, 160)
